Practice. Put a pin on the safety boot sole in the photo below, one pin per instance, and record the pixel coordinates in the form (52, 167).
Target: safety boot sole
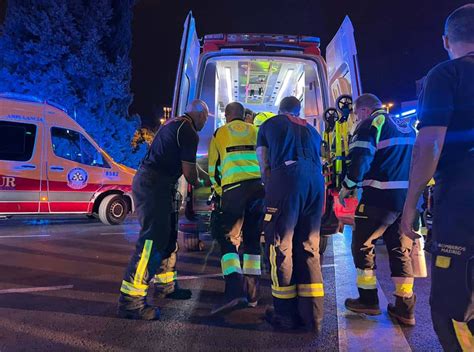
(149, 313)
(363, 310)
(399, 318)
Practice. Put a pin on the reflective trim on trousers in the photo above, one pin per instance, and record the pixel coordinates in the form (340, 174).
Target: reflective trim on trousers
(403, 286)
(133, 290)
(252, 264)
(311, 290)
(366, 279)
(386, 185)
(166, 278)
(273, 266)
(230, 263)
(284, 292)
(464, 336)
(142, 264)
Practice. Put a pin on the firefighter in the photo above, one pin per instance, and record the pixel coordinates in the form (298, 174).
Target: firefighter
(233, 167)
(379, 154)
(445, 148)
(172, 154)
(289, 153)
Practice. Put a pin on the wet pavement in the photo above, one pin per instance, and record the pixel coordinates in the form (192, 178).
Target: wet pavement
(59, 286)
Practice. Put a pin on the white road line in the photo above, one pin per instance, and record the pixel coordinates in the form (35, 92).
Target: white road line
(35, 289)
(193, 277)
(328, 266)
(112, 233)
(23, 236)
(360, 332)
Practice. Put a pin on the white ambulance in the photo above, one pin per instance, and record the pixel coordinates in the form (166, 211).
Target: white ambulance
(50, 165)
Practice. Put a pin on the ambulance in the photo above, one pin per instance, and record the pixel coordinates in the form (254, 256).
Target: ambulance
(50, 165)
(258, 70)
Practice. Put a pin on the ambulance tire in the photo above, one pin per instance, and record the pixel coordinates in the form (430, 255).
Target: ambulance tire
(323, 243)
(113, 209)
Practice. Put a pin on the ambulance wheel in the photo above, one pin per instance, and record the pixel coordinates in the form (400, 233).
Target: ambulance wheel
(323, 243)
(113, 209)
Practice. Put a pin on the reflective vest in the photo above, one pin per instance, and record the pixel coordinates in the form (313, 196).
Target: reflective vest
(261, 117)
(232, 156)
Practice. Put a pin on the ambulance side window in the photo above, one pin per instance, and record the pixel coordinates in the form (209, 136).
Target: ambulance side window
(72, 145)
(17, 141)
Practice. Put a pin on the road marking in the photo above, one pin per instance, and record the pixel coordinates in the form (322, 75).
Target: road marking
(23, 236)
(112, 233)
(35, 289)
(358, 332)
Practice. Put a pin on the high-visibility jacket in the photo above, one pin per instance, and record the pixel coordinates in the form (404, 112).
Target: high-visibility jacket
(232, 156)
(261, 117)
(380, 155)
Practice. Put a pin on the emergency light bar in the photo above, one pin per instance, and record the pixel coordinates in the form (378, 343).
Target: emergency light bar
(31, 99)
(409, 112)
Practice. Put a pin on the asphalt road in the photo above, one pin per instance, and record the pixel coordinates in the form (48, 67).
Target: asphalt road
(60, 278)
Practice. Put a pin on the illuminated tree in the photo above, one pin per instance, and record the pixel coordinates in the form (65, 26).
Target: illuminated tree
(75, 53)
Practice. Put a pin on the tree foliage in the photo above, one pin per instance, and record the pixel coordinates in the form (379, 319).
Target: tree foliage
(75, 53)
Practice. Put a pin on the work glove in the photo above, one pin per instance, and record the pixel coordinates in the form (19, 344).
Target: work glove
(343, 194)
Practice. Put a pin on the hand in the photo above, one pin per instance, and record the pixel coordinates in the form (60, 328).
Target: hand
(406, 224)
(343, 194)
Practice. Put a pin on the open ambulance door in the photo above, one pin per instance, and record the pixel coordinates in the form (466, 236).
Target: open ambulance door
(341, 59)
(186, 76)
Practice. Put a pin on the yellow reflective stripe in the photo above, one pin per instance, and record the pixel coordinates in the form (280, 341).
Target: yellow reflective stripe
(464, 335)
(366, 279)
(403, 289)
(230, 263)
(284, 292)
(311, 290)
(133, 290)
(143, 263)
(166, 278)
(273, 271)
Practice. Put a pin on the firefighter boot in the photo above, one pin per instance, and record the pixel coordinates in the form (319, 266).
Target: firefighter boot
(280, 322)
(252, 289)
(403, 310)
(172, 291)
(234, 295)
(367, 303)
(136, 308)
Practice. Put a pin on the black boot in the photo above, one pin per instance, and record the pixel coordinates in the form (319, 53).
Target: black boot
(367, 303)
(234, 295)
(136, 308)
(172, 291)
(280, 322)
(252, 289)
(403, 310)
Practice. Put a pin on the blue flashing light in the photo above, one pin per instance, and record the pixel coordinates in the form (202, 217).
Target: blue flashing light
(397, 115)
(409, 112)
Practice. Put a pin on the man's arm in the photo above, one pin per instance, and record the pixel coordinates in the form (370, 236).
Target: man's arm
(190, 173)
(262, 155)
(425, 157)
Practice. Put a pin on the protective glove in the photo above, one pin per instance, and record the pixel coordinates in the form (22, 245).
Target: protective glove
(343, 194)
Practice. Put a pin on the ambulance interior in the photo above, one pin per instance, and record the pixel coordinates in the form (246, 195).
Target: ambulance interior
(259, 83)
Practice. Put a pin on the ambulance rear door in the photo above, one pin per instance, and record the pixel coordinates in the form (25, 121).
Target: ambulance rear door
(186, 76)
(343, 68)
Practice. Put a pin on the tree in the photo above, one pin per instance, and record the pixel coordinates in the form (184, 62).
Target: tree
(75, 53)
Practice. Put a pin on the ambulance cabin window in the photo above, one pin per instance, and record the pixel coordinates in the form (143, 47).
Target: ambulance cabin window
(72, 145)
(17, 141)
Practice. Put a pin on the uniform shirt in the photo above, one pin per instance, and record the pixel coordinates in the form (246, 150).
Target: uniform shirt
(176, 141)
(380, 156)
(289, 139)
(232, 156)
(447, 100)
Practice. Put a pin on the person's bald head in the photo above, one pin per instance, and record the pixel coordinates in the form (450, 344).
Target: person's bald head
(458, 38)
(198, 111)
(234, 111)
(365, 105)
(290, 105)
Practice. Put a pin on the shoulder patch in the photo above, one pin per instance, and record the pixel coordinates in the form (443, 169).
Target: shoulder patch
(378, 123)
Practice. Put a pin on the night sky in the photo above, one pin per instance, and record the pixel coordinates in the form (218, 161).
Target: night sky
(397, 41)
